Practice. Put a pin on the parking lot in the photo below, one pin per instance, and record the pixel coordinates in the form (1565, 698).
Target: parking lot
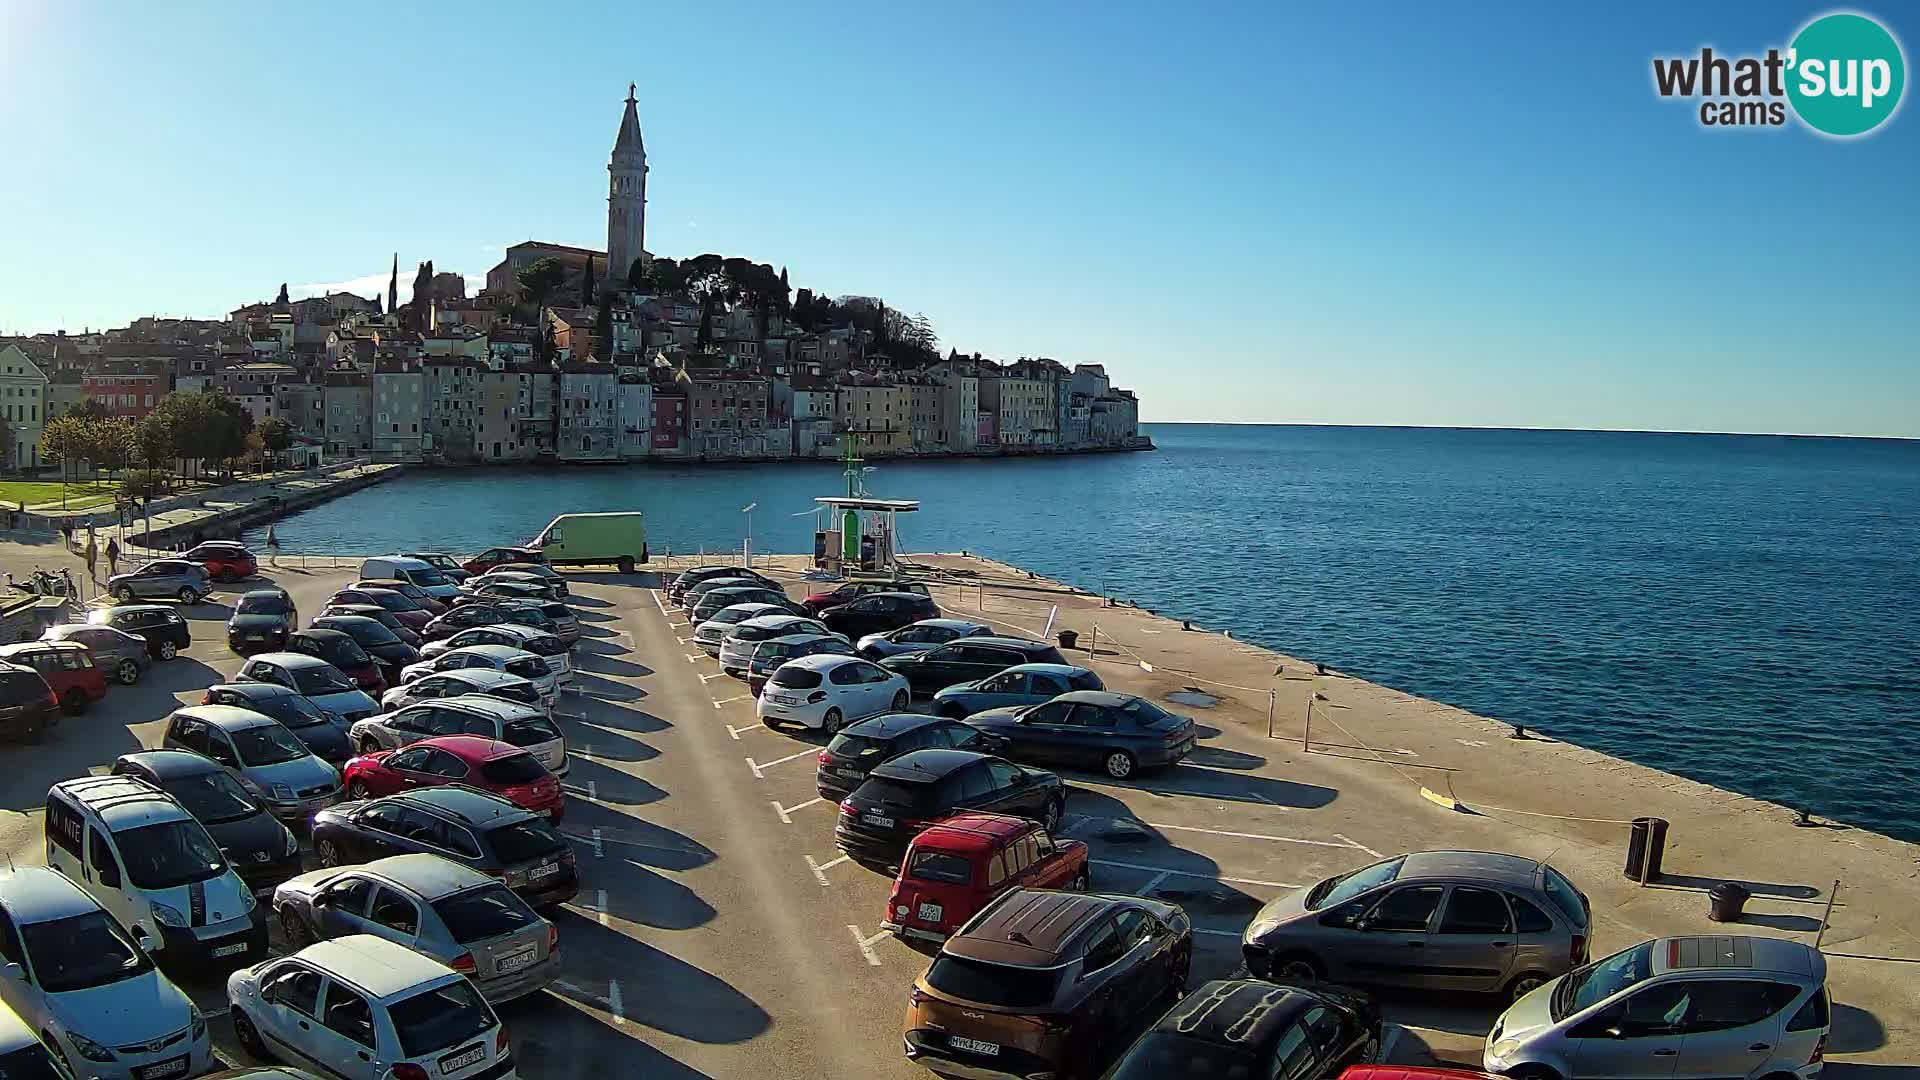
(720, 933)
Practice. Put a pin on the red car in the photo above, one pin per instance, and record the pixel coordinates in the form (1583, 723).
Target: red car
(225, 560)
(339, 649)
(956, 866)
(500, 556)
(474, 760)
(67, 667)
(854, 590)
(411, 615)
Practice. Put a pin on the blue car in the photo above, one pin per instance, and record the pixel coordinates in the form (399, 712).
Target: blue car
(1023, 684)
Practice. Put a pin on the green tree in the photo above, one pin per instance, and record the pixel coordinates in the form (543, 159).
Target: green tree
(66, 439)
(276, 434)
(586, 285)
(116, 443)
(603, 328)
(155, 439)
(539, 281)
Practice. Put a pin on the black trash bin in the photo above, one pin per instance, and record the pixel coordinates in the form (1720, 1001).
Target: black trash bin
(1646, 846)
(1068, 639)
(1727, 901)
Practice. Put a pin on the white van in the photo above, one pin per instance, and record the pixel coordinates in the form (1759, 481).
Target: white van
(416, 571)
(154, 868)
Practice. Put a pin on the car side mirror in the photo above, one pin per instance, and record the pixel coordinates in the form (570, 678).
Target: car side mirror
(1614, 1033)
(1362, 923)
(15, 972)
(142, 938)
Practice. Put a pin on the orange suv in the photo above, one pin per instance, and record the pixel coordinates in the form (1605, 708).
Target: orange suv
(1050, 984)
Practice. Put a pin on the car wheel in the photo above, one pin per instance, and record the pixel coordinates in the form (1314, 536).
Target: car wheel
(299, 934)
(901, 700)
(124, 594)
(1297, 968)
(59, 1055)
(1081, 882)
(626, 564)
(369, 744)
(329, 853)
(831, 722)
(74, 702)
(1050, 817)
(1119, 764)
(129, 672)
(1370, 1051)
(358, 790)
(249, 1037)
(769, 721)
(1525, 983)
(168, 650)
(186, 596)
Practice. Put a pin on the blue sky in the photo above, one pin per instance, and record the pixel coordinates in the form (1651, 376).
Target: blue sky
(1285, 213)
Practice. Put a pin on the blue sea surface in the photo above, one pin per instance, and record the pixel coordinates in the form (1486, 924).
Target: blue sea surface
(1743, 610)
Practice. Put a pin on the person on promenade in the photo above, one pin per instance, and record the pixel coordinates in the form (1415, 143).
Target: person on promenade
(273, 546)
(113, 556)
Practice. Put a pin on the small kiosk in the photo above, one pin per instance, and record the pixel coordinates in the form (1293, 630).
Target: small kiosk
(856, 533)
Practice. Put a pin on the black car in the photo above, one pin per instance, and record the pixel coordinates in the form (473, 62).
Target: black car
(711, 602)
(464, 824)
(911, 792)
(377, 614)
(261, 621)
(1092, 729)
(317, 729)
(1245, 1027)
(381, 643)
(260, 849)
(162, 628)
(27, 704)
(854, 752)
(689, 578)
(967, 660)
(876, 613)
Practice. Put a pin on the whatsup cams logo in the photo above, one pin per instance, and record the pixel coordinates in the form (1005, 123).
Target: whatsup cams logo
(1842, 75)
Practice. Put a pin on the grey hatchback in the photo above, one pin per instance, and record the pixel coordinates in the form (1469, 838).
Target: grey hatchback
(162, 579)
(1450, 920)
(452, 913)
(115, 651)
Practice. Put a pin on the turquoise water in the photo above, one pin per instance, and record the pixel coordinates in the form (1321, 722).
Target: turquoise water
(1744, 610)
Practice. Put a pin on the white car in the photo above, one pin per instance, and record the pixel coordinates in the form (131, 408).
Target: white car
(519, 725)
(546, 646)
(71, 971)
(365, 1008)
(708, 635)
(826, 691)
(736, 652)
(508, 658)
(478, 679)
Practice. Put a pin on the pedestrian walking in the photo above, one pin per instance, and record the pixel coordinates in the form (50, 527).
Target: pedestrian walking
(93, 558)
(273, 546)
(113, 556)
(66, 532)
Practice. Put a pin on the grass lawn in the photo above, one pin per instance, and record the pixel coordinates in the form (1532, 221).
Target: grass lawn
(39, 492)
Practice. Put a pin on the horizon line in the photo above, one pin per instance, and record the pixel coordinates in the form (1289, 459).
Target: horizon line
(1522, 427)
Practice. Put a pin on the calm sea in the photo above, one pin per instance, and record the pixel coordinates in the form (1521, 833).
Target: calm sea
(1744, 610)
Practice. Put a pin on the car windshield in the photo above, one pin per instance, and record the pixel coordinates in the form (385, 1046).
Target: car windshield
(30, 1062)
(1000, 985)
(1600, 980)
(1160, 1054)
(524, 693)
(532, 731)
(340, 652)
(392, 601)
(1144, 711)
(1566, 898)
(320, 680)
(524, 841)
(527, 616)
(546, 646)
(762, 633)
(895, 792)
(439, 1019)
(486, 912)
(1086, 680)
(427, 576)
(213, 797)
(367, 632)
(80, 952)
(728, 616)
(267, 744)
(850, 745)
(290, 709)
(19, 686)
(513, 769)
(169, 854)
(262, 604)
(528, 667)
(940, 866)
(1347, 886)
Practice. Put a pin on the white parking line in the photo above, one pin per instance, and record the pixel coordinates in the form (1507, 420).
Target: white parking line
(601, 907)
(783, 811)
(734, 698)
(655, 593)
(679, 639)
(593, 791)
(1218, 933)
(866, 944)
(613, 1002)
(737, 731)
(756, 766)
(691, 659)
(1361, 846)
(820, 868)
(599, 846)
(1153, 883)
(715, 675)
(1164, 872)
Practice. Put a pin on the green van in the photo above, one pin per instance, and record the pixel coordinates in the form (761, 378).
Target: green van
(578, 539)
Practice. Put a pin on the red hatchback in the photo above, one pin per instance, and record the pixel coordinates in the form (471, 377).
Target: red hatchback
(473, 760)
(410, 615)
(224, 560)
(955, 867)
(500, 556)
(67, 667)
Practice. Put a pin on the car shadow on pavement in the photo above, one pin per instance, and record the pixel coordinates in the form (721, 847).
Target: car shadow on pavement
(616, 716)
(625, 836)
(666, 993)
(1854, 1031)
(643, 895)
(70, 750)
(578, 599)
(590, 742)
(1216, 757)
(1456, 1012)
(590, 685)
(566, 1041)
(1859, 1070)
(610, 785)
(600, 664)
(595, 617)
(1210, 783)
(598, 637)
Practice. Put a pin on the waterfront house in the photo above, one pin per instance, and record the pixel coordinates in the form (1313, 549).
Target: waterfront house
(923, 413)
(636, 416)
(400, 429)
(303, 405)
(459, 340)
(958, 429)
(669, 420)
(347, 403)
(727, 413)
(23, 394)
(810, 403)
(590, 401)
(1021, 401)
(874, 410)
(452, 408)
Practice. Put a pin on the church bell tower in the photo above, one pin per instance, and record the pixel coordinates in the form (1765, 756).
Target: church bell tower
(626, 197)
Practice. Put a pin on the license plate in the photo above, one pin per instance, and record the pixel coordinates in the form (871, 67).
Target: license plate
(780, 699)
(877, 819)
(539, 872)
(851, 774)
(230, 950)
(929, 913)
(174, 1067)
(514, 961)
(974, 1046)
(460, 1061)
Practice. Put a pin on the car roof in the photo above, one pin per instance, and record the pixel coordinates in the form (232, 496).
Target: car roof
(37, 894)
(1066, 670)
(429, 876)
(803, 636)
(263, 592)
(374, 965)
(498, 708)
(471, 747)
(1023, 644)
(257, 689)
(1247, 1013)
(291, 659)
(497, 652)
(921, 766)
(725, 591)
(888, 725)
(171, 764)
(362, 618)
(480, 676)
(65, 630)
(1106, 699)
(825, 661)
(469, 804)
(1735, 952)
(524, 632)
(751, 605)
(40, 645)
(120, 609)
(325, 633)
(972, 832)
(1030, 928)
(951, 624)
(349, 609)
(123, 802)
(891, 592)
(406, 562)
(1472, 865)
(775, 619)
(220, 544)
(227, 717)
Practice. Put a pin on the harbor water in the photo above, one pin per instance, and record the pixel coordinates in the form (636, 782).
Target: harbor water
(1742, 610)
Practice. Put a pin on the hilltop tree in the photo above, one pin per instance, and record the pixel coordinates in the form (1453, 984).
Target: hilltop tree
(603, 327)
(540, 281)
(586, 285)
(281, 301)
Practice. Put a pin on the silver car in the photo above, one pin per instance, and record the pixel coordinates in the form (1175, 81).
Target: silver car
(481, 681)
(737, 648)
(456, 915)
(116, 652)
(322, 683)
(1449, 920)
(507, 658)
(709, 634)
(918, 637)
(162, 579)
(260, 753)
(546, 646)
(565, 624)
(1673, 1009)
(769, 655)
(534, 569)
(515, 724)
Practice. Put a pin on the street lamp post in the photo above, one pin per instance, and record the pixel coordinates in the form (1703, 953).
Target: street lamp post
(747, 548)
